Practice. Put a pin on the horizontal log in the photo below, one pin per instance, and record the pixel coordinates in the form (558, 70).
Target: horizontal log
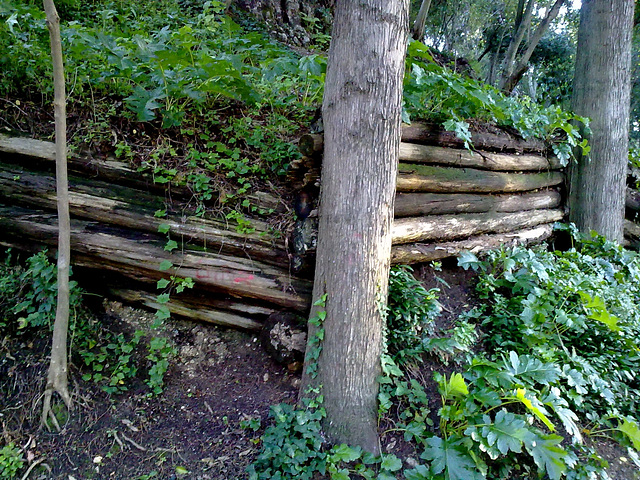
(414, 153)
(632, 230)
(140, 256)
(419, 204)
(134, 209)
(183, 309)
(633, 199)
(34, 153)
(419, 253)
(451, 227)
(311, 144)
(427, 178)
(497, 140)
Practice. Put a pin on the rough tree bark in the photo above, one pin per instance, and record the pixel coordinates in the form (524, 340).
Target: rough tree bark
(286, 18)
(361, 113)
(601, 91)
(57, 376)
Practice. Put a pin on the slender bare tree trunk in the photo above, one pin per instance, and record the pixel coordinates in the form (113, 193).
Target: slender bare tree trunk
(517, 72)
(361, 113)
(417, 32)
(523, 21)
(601, 91)
(57, 376)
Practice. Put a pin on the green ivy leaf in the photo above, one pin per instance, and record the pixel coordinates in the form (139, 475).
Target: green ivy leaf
(164, 228)
(162, 283)
(345, 453)
(171, 245)
(165, 265)
(391, 463)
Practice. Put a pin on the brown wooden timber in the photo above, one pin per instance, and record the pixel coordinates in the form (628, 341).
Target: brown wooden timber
(427, 178)
(414, 153)
(633, 200)
(38, 153)
(134, 209)
(419, 252)
(498, 140)
(140, 256)
(430, 134)
(451, 227)
(419, 204)
(177, 306)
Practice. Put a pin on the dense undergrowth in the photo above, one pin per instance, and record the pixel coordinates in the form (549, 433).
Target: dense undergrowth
(105, 356)
(189, 96)
(553, 371)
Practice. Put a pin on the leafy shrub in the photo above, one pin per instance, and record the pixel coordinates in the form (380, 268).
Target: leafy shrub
(28, 296)
(411, 310)
(11, 461)
(436, 93)
(577, 309)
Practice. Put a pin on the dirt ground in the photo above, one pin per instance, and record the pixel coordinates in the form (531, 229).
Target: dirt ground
(192, 430)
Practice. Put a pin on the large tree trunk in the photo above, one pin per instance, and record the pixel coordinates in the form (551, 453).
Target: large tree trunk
(601, 91)
(57, 376)
(361, 112)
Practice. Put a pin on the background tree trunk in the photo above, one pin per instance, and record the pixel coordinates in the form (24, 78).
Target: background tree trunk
(361, 113)
(417, 31)
(601, 91)
(57, 376)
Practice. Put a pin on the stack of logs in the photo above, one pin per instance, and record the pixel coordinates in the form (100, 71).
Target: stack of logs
(450, 199)
(241, 278)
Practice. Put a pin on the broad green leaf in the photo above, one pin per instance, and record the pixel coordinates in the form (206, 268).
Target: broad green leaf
(342, 474)
(162, 283)
(345, 453)
(506, 433)
(537, 409)
(549, 457)
(421, 472)
(449, 459)
(597, 310)
(454, 387)
(631, 430)
(526, 367)
(391, 463)
(165, 265)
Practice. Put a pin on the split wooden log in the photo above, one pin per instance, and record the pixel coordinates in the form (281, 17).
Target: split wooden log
(449, 227)
(134, 209)
(633, 200)
(414, 153)
(142, 257)
(419, 204)
(497, 140)
(32, 153)
(632, 230)
(427, 178)
(429, 134)
(418, 252)
(177, 306)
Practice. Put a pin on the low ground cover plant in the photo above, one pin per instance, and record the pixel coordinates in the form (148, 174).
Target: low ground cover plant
(551, 373)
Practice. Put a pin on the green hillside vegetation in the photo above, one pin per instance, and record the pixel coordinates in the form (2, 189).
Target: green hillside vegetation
(528, 381)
